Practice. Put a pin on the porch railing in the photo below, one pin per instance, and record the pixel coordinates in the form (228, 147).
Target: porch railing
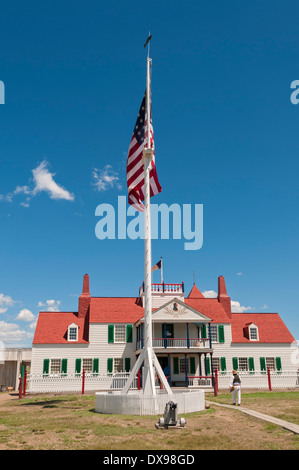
(177, 343)
(162, 288)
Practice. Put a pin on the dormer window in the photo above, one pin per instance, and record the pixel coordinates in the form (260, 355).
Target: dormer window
(253, 332)
(72, 332)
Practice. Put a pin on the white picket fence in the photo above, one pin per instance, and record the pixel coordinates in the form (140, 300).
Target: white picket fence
(57, 383)
(38, 383)
(260, 379)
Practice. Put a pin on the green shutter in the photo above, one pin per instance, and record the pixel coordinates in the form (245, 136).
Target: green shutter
(223, 364)
(235, 363)
(46, 366)
(78, 366)
(110, 333)
(175, 365)
(208, 368)
(278, 364)
(251, 365)
(95, 368)
(192, 365)
(127, 364)
(110, 365)
(263, 364)
(203, 331)
(129, 333)
(64, 366)
(221, 333)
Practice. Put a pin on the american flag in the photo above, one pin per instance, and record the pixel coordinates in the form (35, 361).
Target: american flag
(135, 169)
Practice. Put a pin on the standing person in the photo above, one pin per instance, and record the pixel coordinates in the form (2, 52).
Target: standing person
(235, 387)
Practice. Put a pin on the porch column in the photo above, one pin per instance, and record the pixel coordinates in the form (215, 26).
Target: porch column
(200, 371)
(186, 370)
(212, 371)
(209, 326)
(188, 339)
(165, 335)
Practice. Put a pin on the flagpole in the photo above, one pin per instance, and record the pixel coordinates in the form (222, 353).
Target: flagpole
(149, 380)
(147, 355)
(162, 270)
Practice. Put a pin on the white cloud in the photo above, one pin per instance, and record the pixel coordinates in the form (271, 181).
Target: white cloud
(210, 294)
(11, 334)
(43, 181)
(25, 315)
(235, 305)
(105, 179)
(238, 308)
(50, 305)
(5, 302)
(240, 274)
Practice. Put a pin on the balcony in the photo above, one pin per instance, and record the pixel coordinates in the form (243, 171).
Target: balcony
(162, 293)
(164, 288)
(174, 344)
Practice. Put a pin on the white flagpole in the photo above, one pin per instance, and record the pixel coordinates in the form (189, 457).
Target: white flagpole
(149, 380)
(147, 355)
(162, 270)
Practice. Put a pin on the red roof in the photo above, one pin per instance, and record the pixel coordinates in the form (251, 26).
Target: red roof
(271, 328)
(52, 328)
(115, 310)
(209, 307)
(195, 293)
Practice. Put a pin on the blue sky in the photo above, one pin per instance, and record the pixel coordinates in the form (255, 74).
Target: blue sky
(226, 136)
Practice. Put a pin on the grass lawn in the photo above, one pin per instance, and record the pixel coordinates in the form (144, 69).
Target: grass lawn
(57, 422)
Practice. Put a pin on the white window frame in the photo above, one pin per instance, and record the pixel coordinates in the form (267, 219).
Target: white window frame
(271, 363)
(214, 333)
(253, 328)
(55, 367)
(72, 327)
(243, 364)
(87, 365)
(120, 333)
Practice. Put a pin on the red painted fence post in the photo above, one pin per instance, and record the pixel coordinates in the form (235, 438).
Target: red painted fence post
(269, 378)
(139, 383)
(21, 388)
(83, 381)
(216, 383)
(25, 382)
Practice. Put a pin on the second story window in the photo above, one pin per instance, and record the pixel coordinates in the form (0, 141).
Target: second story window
(120, 334)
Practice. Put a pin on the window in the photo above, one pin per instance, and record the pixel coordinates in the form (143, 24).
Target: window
(87, 365)
(214, 333)
(118, 364)
(72, 332)
(216, 363)
(253, 333)
(120, 333)
(55, 366)
(270, 362)
(182, 364)
(243, 363)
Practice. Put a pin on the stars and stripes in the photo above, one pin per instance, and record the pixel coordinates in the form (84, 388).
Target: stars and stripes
(135, 169)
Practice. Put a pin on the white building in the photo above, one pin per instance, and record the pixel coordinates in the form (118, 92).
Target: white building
(192, 335)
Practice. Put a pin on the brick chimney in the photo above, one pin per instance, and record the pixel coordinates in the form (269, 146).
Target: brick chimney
(223, 298)
(84, 299)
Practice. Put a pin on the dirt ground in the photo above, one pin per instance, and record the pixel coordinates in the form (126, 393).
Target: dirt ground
(70, 423)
